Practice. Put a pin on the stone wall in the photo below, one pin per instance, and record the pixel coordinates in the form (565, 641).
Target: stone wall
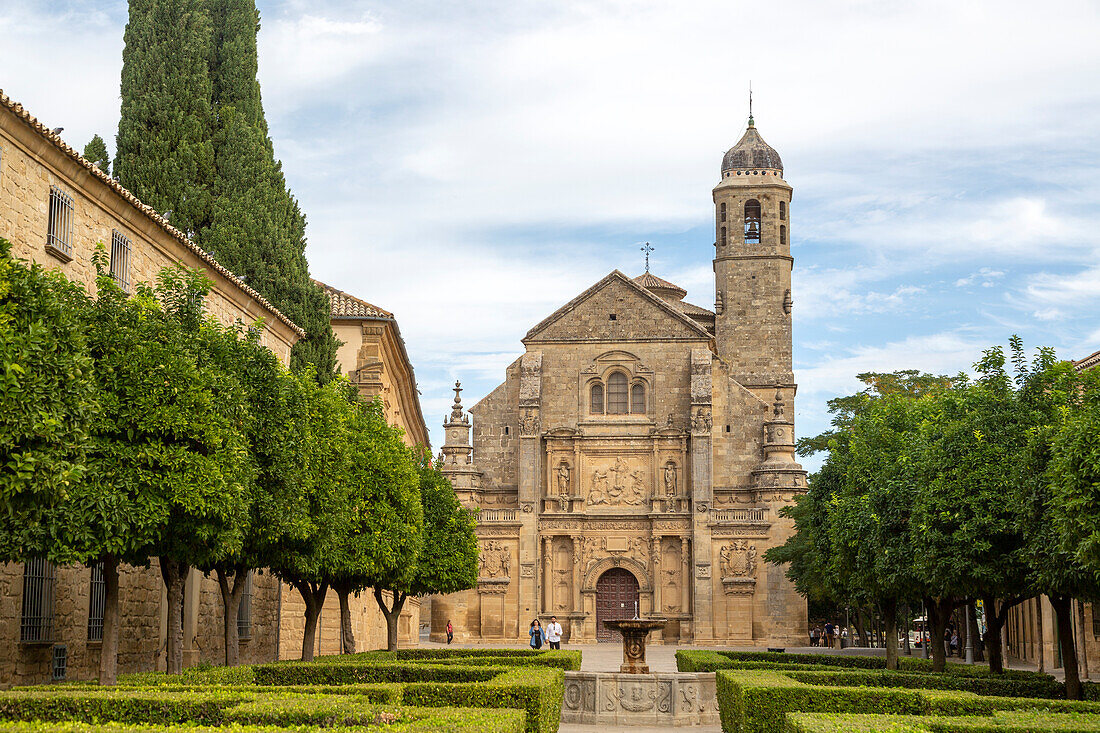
(368, 623)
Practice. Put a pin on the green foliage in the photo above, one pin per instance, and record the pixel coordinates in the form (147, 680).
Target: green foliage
(1000, 722)
(193, 140)
(47, 403)
(164, 151)
(693, 660)
(95, 152)
(760, 701)
(1073, 475)
(448, 556)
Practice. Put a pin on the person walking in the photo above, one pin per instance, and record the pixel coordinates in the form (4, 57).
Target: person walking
(535, 632)
(813, 636)
(553, 633)
(450, 632)
(829, 634)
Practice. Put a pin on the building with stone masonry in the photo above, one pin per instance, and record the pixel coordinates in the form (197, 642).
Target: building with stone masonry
(55, 208)
(636, 456)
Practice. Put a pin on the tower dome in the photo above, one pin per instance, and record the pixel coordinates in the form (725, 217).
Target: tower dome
(751, 153)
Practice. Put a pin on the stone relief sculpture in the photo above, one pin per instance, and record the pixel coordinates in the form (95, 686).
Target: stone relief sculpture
(618, 485)
(563, 479)
(495, 560)
(702, 422)
(530, 424)
(738, 560)
(670, 479)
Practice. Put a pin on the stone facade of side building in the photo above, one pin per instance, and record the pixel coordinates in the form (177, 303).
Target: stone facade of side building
(636, 456)
(1031, 633)
(55, 208)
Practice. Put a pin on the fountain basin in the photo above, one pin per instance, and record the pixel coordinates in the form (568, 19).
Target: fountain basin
(634, 631)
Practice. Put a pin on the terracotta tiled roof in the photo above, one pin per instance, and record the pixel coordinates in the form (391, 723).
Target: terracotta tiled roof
(19, 111)
(1088, 362)
(691, 309)
(650, 281)
(348, 306)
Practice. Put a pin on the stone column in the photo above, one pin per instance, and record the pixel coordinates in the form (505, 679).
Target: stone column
(578, 571)
(529, 489)
(655, 571)
(685, 572)
(547, 574)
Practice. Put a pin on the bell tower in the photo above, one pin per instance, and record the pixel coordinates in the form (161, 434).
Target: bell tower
(752, 264)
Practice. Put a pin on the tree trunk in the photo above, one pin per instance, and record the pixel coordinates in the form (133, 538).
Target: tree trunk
(1063, 609)
(890, 621)
(347, 634)
(995, 620)
(939, 613)
(231, 604)
(1084, 650)
(861, 628)
(108, 649)
(174, 575)
(314, 597)
(973, 632)
(391, 615)
(908, 620)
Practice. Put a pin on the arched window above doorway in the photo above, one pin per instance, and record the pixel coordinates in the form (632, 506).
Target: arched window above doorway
(595, 402)
(617, 400)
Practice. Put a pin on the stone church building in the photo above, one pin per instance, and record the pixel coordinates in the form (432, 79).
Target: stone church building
(636, 455)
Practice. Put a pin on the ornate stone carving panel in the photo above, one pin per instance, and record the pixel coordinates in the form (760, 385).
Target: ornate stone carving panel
(530, 382)
(655, 700)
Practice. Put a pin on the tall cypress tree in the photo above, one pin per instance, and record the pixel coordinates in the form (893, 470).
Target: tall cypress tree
(251, 223)
(164, 153)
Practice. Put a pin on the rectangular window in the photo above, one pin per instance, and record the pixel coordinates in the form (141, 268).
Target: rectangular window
(97, 602)
(1096, 621)
(36, 620)
(244, 611)
(59, 234)
(120, 260)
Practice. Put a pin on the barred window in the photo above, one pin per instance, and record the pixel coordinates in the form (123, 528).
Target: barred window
(244, 611)
(120, 260)
(783, 210)
(596, 399)
(722, 211)
(637, 399)
(617, 399)
(752, 222)
(36, 620)
(782, 233)
(97, 603)
(722, 237)
(59, 234)
(1096, 621)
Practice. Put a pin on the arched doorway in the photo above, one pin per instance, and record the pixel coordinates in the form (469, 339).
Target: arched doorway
(616, 597)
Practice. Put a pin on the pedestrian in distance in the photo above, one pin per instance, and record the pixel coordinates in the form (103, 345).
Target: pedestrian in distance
(553, 633)
(535, 632)
(450, 632)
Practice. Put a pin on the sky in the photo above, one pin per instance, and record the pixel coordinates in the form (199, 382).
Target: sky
(473, 166)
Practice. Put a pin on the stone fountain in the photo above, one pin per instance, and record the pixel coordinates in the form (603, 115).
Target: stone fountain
(634, 631)
(633, 695)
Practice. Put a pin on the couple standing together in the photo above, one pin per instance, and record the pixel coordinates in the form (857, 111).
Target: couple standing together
(552, 634)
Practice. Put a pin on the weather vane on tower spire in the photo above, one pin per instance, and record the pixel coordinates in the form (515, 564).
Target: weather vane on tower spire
(647, 249)
(750, 103)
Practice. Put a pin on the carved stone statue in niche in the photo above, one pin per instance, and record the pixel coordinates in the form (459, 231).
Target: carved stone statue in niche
(670, 479)
(563, 479)
(738, 560)
(496, 560)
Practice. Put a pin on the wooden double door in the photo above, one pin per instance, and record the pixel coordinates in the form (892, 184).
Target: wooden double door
(616, 598)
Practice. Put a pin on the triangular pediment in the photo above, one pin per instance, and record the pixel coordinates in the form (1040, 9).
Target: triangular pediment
(616, 309)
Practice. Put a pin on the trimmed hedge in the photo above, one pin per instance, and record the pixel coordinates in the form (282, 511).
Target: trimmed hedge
(1047, 688)
(758, 701)
(1004, 722)
(538, 691)
(388, 720)
(321, 673)
(712, 661)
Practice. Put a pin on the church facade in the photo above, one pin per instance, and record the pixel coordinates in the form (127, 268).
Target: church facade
(634, 460)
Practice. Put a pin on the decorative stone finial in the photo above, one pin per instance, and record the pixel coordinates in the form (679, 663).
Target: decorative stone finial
(456, 408)
(778, 402)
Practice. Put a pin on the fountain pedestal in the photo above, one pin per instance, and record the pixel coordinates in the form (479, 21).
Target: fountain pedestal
(634, 632)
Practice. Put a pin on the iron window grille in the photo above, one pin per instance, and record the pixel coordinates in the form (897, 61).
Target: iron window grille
(97, 603)
(120, 260)
(36, 620)
(1096, 621)
(637, 399)
(244, 610)
(618, 399)
(60, 662)
(59, 235)
(597, 399)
